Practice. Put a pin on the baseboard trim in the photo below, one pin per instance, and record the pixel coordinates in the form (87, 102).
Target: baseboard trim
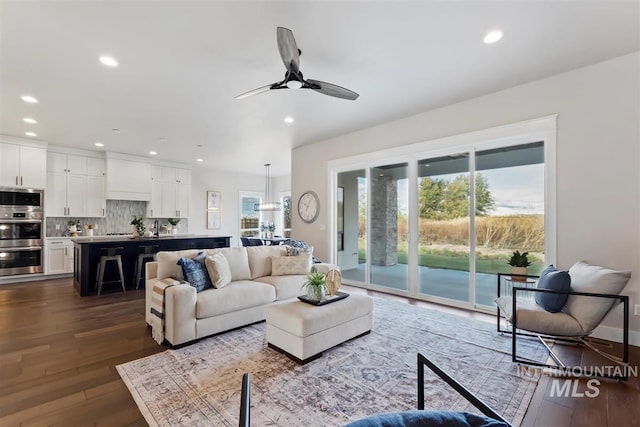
(615, 335)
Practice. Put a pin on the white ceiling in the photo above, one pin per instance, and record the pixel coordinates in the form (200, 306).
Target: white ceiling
(182, 63)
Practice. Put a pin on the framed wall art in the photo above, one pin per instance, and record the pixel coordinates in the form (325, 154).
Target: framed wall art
(213, 220)
(213, 200)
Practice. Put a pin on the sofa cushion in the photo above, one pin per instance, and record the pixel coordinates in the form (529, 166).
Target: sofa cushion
(237, 295)
(552, 278)
(260, 259)
(295, 251)
(286, 286)
(238, 262)
(218, 269)
(168, 263)
(285, 265)
(589, 311)
(531, 317)
(195, 273)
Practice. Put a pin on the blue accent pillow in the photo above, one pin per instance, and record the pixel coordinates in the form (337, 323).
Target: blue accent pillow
(195, 272)
(552, 278)
(428, 419)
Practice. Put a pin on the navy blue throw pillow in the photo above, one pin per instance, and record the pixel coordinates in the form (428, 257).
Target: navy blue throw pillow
(428, 419)
(195, 272)
(552, 278)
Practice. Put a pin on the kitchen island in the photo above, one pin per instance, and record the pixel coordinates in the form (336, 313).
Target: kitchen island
(87, 253)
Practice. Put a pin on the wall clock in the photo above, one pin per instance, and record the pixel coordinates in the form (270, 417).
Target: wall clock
(309, 206)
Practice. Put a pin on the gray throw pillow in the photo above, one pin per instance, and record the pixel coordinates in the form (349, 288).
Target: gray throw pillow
(551, 278)
(585, 277)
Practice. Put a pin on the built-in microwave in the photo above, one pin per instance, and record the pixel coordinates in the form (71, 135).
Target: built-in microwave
(21, 200)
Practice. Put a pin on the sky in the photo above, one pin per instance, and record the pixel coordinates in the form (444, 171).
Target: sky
(516, 190)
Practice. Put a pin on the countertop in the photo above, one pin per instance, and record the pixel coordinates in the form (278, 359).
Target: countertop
(99, 239)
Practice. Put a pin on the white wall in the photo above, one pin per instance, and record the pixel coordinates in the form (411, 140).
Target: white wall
(598, 139)
(230, 185)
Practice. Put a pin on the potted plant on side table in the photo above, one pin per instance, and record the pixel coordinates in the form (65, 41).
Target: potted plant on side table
(316, 286)
(519, 263)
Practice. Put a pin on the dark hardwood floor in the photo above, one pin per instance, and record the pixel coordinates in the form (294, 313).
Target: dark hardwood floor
(58, 354)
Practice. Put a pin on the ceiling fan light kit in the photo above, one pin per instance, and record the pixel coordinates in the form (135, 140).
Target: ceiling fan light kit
(293, 78)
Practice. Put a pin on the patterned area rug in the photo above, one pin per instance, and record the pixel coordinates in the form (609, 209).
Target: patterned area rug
(199, 385)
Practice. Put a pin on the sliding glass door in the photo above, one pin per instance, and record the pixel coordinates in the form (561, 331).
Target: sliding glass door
(509, 212)
(440, 224)
(389, 213)
(443, 227)
(351, 221)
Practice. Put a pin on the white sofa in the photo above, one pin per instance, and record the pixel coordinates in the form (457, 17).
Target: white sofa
(190, 315)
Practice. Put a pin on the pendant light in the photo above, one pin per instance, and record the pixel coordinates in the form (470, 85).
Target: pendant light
(268, 205)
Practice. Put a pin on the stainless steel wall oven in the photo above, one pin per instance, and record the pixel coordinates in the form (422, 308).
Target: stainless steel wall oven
(21, 231)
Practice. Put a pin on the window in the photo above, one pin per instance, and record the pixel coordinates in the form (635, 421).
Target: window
(285, 201)
(249, 218)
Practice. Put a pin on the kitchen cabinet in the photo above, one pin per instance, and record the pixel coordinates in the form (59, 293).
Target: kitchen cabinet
(59, 256)
(75, 186)
(22, 166)
(170, 195)
(128, 179)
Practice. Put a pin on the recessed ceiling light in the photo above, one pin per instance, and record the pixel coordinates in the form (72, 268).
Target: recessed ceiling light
(153, 153)
(108, 61)
(30, 99)
(492, 36)
(115, 130)
(200, 145)
(162, 139)
(199, 160)
(288, 119)
(30, 120)
(31, 134)
(99, 144)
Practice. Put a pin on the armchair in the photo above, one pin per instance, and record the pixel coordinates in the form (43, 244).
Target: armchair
(594, 293)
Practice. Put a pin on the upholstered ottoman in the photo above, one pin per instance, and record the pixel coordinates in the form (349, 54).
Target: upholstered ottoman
(303, 331)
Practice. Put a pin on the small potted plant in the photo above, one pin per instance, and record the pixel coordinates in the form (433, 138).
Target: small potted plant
(174, 224)
(316, 286)
(138, 226)
(263, 230)
(519, 263)
(271, 227)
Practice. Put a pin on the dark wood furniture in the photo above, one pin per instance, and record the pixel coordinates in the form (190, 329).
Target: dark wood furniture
(87, 255)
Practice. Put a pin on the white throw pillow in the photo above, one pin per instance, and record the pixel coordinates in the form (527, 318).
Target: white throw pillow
(218, 269)
(284, 265)
(294, 251)
(589, 311)
(168, 263)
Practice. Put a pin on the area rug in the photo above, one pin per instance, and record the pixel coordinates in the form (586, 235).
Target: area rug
(199, 385)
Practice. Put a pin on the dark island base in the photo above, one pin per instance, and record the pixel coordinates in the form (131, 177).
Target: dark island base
(88, 252)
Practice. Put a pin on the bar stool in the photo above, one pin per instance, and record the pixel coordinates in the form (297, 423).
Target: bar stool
(144, 252)
(110, 254)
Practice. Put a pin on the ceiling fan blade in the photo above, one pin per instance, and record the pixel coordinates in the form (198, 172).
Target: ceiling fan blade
(288, 50)
(255, 91)
(331, 90)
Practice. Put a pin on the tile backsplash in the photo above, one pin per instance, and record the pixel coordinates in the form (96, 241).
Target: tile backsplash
(117, 220)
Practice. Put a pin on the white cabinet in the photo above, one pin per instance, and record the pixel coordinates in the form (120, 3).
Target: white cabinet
(170, 194)
(59, 256)
(154, 207)
(128, 179)
(75, 186)
(22, 166)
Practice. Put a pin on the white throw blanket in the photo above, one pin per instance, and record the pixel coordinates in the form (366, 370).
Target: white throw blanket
(157, 307)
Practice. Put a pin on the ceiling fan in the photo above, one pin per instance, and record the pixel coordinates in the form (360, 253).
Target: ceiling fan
(293, 78)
